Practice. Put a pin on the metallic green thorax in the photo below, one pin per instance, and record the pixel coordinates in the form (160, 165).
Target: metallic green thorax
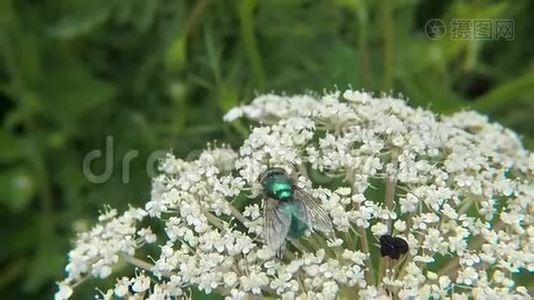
(278, 187)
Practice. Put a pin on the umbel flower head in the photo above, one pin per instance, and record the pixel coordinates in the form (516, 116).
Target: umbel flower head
(457, 189)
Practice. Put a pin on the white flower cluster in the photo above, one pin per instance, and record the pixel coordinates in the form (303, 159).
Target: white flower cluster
(459, 190)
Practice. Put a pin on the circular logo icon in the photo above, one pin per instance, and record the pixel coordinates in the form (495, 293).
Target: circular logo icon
(435, 29)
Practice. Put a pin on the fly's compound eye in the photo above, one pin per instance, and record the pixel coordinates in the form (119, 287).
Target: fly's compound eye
(271, 172)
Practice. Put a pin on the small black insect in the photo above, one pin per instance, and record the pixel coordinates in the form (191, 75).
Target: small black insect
(392, 246)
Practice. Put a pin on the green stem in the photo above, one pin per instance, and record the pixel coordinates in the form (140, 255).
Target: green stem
(507, 94)
(391, 182)
(237, 215)
(362, 233)
(214, 220)
(389, 200)
(195, 16)
(363, 23)
(387, 18)
(246, 8)
(369, 274)
(141, 264)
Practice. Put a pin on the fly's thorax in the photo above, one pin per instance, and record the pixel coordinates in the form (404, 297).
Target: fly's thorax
(279, 187)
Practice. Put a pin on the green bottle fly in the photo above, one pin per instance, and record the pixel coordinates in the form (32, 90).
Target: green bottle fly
(288, 210)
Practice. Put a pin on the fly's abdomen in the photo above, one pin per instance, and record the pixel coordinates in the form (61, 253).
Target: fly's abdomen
(297, 227)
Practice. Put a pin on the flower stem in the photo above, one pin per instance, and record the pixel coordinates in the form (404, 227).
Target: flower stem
(214, 220)
(369, 274)
(144, 265)
(389, 200)
(362, 233)
(391, 182)
(238, 215)
(139, 263)
(195, 16)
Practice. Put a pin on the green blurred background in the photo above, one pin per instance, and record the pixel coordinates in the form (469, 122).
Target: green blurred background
(160, 74)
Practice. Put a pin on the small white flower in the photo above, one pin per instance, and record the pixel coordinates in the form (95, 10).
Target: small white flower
(147, 235)
(64, 291)
(431, 275)
(233, 114)
(102, 270)
(424, 259)
(254, 282)
(409, 204)
(356, 96)
(449, 211)
(141, 283)
(343, 191)
(335, 243)
(108, 214)
(468, 276)
(444, 282)
(400, 225)
(358, 198)
(379, 229)
(230, 279)
(121, 287)
(252, 211)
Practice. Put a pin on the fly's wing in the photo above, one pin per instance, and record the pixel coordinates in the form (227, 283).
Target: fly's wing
(312, 212)
(276, 222)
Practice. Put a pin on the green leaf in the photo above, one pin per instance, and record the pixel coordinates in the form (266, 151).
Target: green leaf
(507, 93)
(9, 150)
(82, 17)
(46, 265)
(68, 91)
(16, 187)
(140, 13)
